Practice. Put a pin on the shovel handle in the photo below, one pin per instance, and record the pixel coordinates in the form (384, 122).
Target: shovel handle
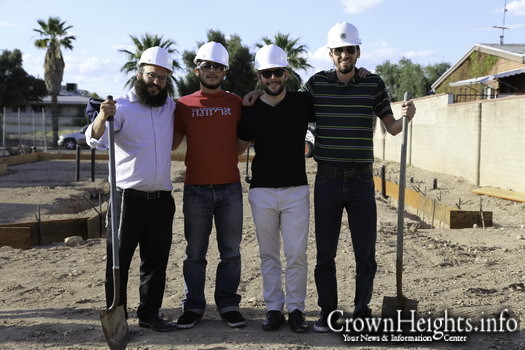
(247, 173)
(111, 99)
(115, 244)
(401, 203)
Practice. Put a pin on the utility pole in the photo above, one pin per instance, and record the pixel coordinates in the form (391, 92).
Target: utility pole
(502, 27)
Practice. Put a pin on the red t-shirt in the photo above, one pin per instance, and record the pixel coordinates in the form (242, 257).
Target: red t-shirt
(209, 122)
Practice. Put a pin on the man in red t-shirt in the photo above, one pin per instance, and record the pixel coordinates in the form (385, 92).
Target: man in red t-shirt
(208, 119)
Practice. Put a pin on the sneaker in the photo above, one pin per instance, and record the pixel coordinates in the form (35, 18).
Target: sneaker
(297, 322)
(321, 325)
(234, 319)
(188, 319)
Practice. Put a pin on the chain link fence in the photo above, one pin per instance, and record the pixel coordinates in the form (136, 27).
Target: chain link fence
(23, 131)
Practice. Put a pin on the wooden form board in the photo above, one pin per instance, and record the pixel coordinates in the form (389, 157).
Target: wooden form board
(18, 237)
(497, 192)
(26, 235)
(435, 212)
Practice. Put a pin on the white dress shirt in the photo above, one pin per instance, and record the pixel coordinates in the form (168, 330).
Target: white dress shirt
(143, 138)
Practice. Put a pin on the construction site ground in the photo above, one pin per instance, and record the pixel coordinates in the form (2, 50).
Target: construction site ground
(50, 296)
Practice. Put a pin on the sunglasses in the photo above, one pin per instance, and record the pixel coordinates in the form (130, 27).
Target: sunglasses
(338, 51)
(267, 74)
(208, 67)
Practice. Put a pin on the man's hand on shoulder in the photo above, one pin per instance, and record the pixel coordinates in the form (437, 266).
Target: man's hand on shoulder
(250, 97)
(362, 72)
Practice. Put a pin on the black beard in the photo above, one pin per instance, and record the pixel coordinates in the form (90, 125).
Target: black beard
(346, 70)
(209, 86)
(141, 88)
(273, 93)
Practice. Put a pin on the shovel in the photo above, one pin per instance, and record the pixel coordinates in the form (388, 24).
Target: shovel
(114, 323)
(247, 177)
(400, 307)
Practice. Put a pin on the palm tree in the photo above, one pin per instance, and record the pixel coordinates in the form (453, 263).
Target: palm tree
(54, 35)
(141, 45)
(295, 54)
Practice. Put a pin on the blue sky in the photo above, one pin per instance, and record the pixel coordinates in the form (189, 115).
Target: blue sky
(427, 32)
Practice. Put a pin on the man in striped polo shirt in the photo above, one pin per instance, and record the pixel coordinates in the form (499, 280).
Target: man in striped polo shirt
(345, 108)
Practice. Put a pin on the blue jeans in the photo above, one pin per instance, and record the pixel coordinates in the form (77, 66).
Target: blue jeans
(203, 205)
(357, 196)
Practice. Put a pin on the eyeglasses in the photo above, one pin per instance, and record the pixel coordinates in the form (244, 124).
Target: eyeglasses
(154, 76)
(209, 67)
(267, 74)
(338, 51)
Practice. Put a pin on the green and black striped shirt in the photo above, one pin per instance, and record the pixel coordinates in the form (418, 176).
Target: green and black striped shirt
(345, 116)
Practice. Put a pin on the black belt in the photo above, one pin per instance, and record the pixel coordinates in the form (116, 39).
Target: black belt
(327, 170)
(212, 186)
(144, 194)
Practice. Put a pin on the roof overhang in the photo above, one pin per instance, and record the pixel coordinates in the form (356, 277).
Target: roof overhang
(487, 78)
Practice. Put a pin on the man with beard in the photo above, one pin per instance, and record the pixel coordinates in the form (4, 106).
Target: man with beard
(208, 119)
(279, 193)
(346, 106)
(143, 124)
(346, 101)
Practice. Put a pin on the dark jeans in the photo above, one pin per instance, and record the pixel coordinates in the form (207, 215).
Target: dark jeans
(148, 224)
(356, 195)
(202, 206)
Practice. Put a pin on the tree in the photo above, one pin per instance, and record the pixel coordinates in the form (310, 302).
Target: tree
(389, 72)
(145, 42)
(240, 76)
(411, 78)
(16, 86)
(54, 35)
(408, 76)
(434, 72)
(295, 55)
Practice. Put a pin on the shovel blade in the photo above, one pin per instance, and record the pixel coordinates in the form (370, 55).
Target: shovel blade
(399, 308)
(115, 327)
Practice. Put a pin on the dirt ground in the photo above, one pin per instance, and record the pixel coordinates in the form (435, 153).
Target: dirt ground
(50, 296)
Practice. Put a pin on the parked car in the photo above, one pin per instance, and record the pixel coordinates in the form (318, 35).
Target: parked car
(71, 140)
(309, 141)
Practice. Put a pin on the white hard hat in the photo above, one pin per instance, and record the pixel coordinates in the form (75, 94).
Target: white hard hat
(270, 56)
(343, 34)
(213, 52)
(158, 56)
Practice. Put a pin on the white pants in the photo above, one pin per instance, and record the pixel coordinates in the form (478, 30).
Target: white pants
(283, 210)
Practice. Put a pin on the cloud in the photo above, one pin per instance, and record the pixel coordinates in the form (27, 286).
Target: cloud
(319, 60)
(516, 8)
(7, 24)
(359, 6)
(417, 54)
(377, 53)
(94, 74)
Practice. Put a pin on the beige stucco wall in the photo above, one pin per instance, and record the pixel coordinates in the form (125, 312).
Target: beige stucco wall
(481, 141)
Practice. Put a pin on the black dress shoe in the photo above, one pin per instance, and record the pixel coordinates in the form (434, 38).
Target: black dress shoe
(297, 322)
(273, 320)
(156, 323)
